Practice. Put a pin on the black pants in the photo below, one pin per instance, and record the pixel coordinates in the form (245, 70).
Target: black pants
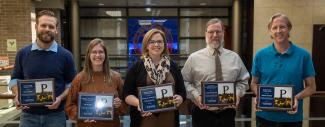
(260, 122)
(206, 118)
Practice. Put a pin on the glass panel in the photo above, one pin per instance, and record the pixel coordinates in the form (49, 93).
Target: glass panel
(117, 52)
(103, 27)
(103, 12)
(152, 12)
(114, 47)
(204, 12)
(188, 46)
(195, 27)
(117, 65)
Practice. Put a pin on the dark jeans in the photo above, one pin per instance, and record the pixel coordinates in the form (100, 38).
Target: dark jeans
(56, 119)
(206, 118)
(260, 122)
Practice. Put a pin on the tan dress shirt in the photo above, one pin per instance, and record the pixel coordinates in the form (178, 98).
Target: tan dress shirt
(200, 66)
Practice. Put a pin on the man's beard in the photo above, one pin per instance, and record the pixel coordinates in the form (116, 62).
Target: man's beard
(45, 37)
(216, 45)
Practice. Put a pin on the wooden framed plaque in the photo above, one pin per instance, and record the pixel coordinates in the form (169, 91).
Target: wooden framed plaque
(275, 97)
(218, 93)
(95, 106)
(34, 92)
(157, 98)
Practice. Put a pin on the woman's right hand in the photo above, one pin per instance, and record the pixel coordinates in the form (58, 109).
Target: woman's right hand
(144, 114)
(90, 121)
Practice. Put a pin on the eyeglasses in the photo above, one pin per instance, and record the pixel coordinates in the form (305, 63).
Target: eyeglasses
(97, 52)
(216, 31)
(159, 42)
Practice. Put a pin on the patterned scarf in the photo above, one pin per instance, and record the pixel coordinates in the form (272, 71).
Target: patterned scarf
(157, 75)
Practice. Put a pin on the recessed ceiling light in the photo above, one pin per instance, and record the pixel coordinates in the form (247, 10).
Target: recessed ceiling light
(148, 9)
(203, 4)
(114, 13)
(101, 4)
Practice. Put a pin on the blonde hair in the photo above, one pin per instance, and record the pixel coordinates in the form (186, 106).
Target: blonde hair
(279, 15)
(147, 38)
(88, 69)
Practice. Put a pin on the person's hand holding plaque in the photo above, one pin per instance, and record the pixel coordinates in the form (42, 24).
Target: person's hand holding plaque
(235, 106)
(294, 107)
(17, 104)
(117, 102)
(55, 104)
(89, 121)
(144, 114)
(178, 100)
(198, 103)
(256, 109)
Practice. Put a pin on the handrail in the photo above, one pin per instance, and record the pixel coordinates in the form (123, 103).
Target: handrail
(7, 96)
(7, 67)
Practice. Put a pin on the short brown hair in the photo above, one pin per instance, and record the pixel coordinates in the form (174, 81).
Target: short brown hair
(46, 13)
(279, 15)
(147, 38)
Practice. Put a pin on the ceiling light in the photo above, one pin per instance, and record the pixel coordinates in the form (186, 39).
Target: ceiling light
(114, 13)
(148, 9)
(203, 4)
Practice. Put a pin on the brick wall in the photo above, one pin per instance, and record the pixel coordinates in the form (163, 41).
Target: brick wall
(15, 23)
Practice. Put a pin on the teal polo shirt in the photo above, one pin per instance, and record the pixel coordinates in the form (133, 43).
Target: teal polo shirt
(290, 68)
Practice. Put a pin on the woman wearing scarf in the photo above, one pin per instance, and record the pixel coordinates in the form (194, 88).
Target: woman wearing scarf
(154, 68)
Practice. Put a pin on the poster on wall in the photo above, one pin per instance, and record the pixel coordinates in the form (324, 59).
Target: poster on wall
(137, 28)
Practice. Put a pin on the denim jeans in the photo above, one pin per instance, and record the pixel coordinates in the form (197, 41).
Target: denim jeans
(56, 119)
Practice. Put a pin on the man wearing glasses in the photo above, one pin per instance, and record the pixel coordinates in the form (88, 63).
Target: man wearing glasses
(214, 63)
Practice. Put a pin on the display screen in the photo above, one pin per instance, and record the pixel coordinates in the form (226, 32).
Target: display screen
(137, 28)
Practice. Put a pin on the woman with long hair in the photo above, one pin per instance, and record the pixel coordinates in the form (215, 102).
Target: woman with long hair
(96, 77)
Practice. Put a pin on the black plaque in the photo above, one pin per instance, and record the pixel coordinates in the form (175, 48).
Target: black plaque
(275, 97)
(95, 106)
(157, 98)
(218, 93)
(36, 91)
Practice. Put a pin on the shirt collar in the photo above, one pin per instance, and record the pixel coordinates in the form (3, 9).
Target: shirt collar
(288, 52)
(211, 50)
(53, 47)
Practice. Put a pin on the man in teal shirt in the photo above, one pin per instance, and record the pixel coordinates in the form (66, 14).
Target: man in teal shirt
(281, 63)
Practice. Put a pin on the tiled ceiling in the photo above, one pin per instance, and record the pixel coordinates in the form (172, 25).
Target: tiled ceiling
(98, 3)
